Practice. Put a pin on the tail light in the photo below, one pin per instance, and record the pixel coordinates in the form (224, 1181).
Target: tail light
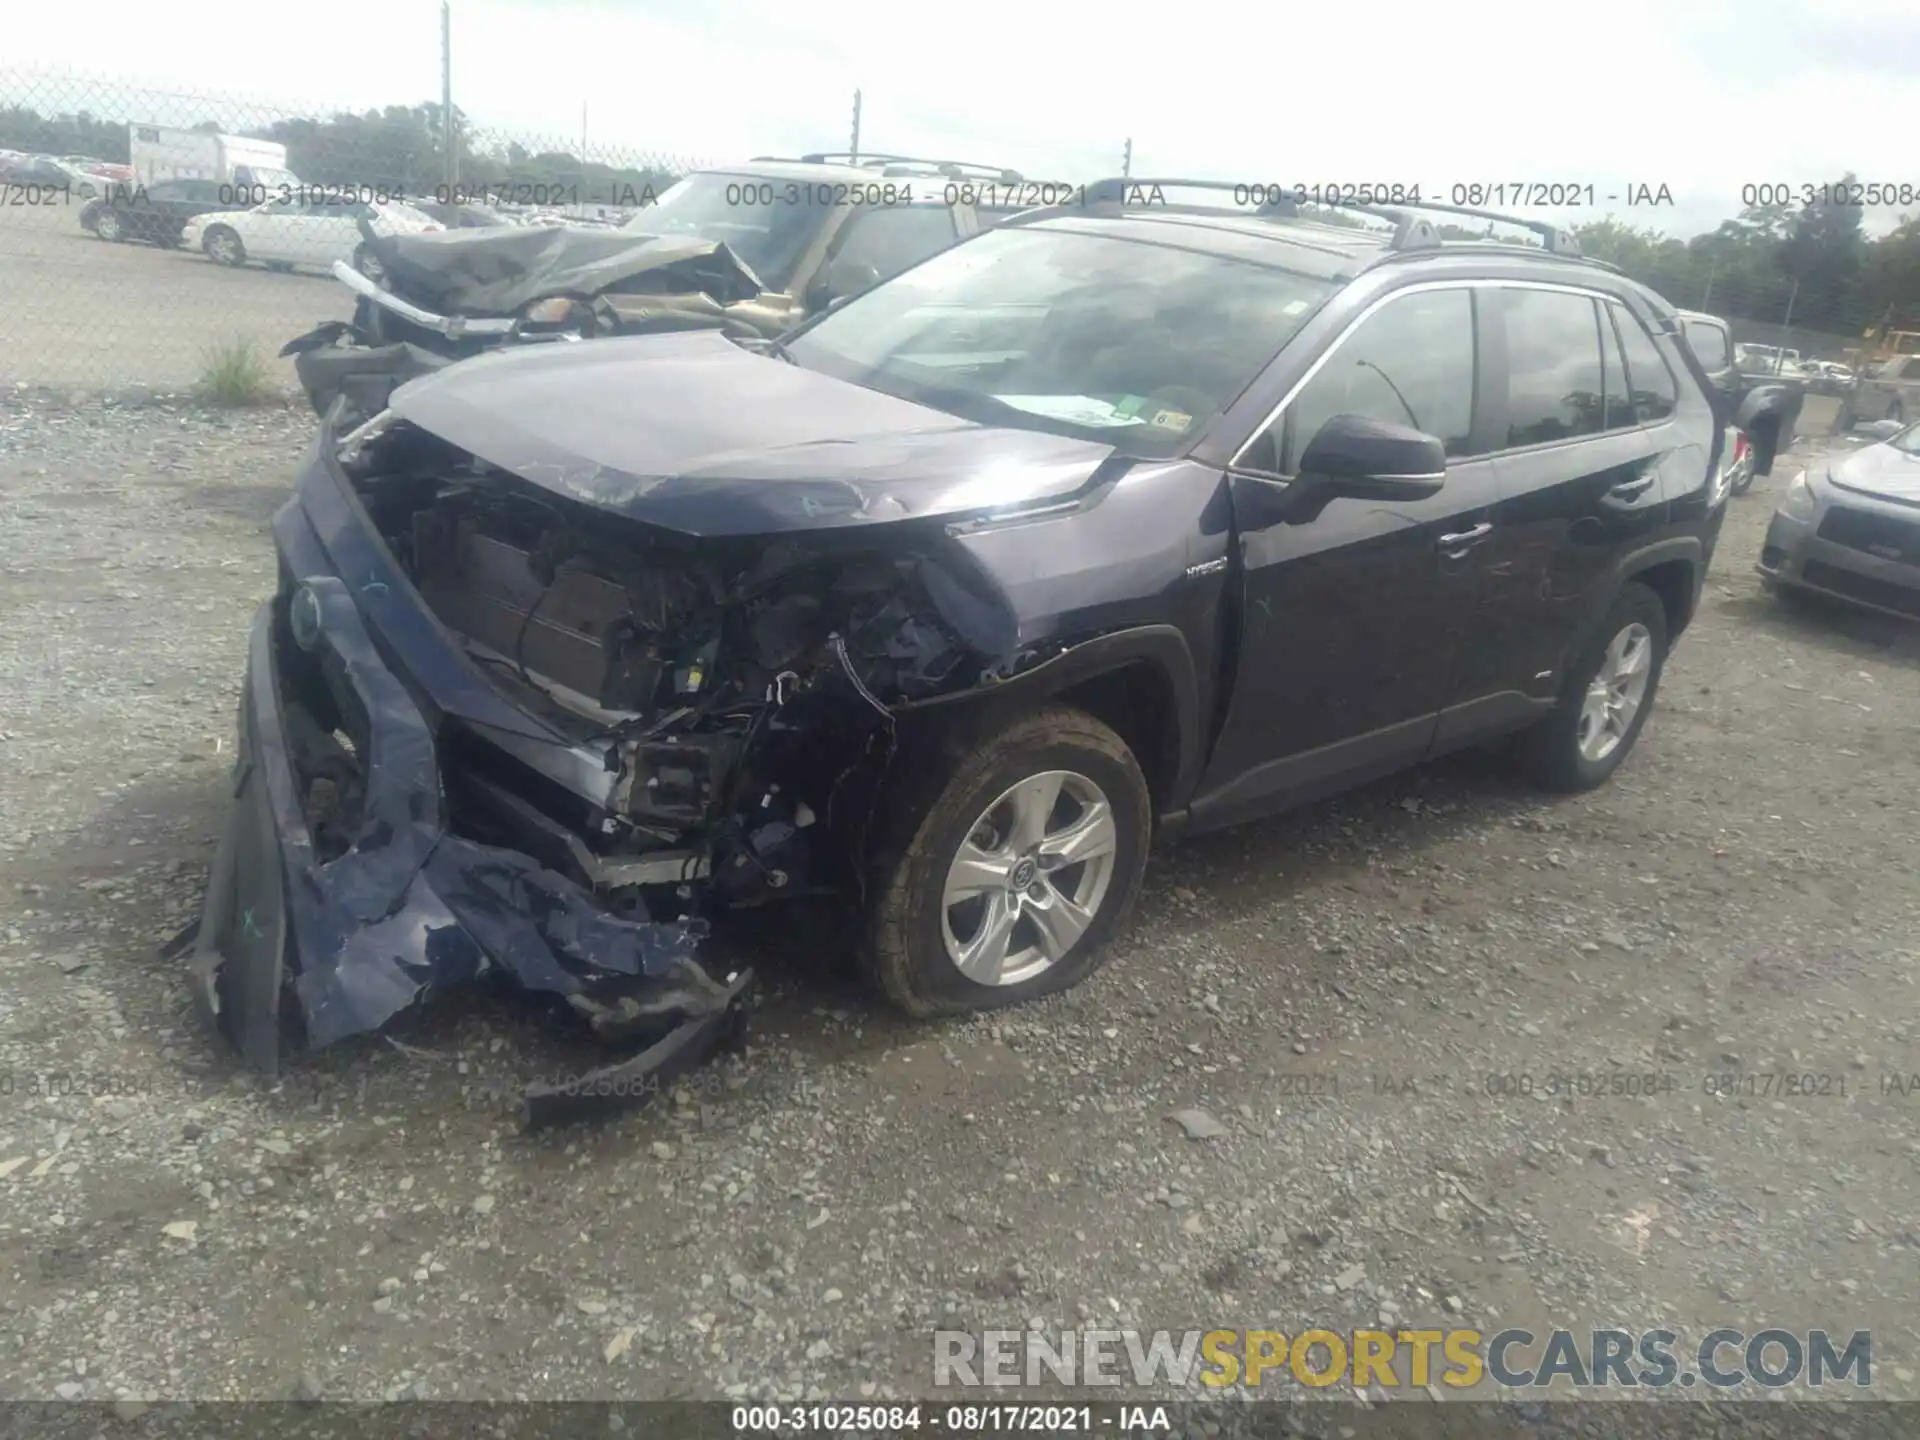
(1740, 447)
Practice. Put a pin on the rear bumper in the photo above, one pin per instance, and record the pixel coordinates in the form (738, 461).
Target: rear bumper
(339, 945)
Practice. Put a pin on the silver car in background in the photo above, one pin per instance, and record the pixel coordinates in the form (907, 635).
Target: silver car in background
(1849, 527)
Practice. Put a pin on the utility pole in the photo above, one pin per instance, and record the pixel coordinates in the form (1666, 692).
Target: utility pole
(1786, 326)
(450, 159)
(853, 146)
(1126, 160)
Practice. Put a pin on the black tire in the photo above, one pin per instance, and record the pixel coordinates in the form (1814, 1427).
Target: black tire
(368, 264)
(217, 238)
(1549, 753)
(108, 226)
(906, 950)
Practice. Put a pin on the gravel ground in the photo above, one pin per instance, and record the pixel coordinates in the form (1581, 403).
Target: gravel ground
(1740, 900)
(76, 311)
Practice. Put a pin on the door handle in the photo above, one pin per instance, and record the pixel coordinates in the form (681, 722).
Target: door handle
(1631, 489)
(1458, 545)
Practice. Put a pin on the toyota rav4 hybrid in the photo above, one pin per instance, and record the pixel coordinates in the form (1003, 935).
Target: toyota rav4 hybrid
(1115, 520)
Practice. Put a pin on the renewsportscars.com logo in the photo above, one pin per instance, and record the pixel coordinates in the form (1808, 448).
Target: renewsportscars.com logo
(1457, 1359)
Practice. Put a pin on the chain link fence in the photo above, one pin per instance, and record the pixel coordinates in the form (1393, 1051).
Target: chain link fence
(100, 291)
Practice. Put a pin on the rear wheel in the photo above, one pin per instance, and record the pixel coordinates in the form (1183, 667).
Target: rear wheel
(223, 246)
(1010, 882)
(108, 226)
(1606, 698)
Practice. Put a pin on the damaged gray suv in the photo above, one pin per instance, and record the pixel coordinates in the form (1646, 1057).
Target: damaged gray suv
(1126, 516)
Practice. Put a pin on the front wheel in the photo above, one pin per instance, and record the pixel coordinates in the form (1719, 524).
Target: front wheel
(1606, 699)
(223, 247)
(1013, 879)
(108, 226)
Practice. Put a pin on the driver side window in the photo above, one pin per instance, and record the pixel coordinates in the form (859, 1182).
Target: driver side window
(1411, 363)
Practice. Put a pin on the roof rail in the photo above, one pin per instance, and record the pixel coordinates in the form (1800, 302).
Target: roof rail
(905, 165)
(1411, 231)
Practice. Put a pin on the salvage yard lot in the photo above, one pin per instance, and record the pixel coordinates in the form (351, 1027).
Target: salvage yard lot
(75, 310)
(1353, 993)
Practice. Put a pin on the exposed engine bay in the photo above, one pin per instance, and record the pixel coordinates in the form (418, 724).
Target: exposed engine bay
(732, 698)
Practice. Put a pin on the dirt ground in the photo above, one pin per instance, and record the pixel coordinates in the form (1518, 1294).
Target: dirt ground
(1356, 994)
(76, 311)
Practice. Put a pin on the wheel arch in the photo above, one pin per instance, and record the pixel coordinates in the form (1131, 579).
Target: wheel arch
(1140, 682)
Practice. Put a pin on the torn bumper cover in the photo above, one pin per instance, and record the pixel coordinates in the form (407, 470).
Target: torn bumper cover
(407, 908)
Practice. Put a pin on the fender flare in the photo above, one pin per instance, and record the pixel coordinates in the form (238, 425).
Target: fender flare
(1638, 562)
(1164, 647)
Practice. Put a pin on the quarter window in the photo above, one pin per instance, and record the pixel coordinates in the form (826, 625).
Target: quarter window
(1411, 362)
(1649, 380)
(1555, 381)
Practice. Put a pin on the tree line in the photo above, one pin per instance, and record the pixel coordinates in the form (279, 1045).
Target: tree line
(399, 148)
(1816, 258)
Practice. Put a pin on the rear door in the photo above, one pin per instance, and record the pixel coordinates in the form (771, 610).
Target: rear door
(329, 230)
(1580, 477)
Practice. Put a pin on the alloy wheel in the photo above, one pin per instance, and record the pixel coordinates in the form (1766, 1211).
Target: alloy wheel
(1029, 878)
(1616, 692)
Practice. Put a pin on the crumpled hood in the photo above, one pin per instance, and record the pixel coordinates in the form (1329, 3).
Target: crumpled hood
(1880, 470)
(498, 270)
(693, 433)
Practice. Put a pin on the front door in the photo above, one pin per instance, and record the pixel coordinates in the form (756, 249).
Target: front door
(1352, 621)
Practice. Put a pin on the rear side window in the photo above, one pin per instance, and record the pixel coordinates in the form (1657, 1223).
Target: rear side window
(1410, 362)
(1648, 378)
(1710, 343)
(1555, 378)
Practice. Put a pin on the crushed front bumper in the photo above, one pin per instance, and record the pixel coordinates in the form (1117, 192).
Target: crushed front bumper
(341, 945)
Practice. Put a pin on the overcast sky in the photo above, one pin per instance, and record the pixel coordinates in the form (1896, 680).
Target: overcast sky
(1702, 96)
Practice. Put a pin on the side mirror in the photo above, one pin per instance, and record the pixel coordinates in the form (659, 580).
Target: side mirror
(1367, 459)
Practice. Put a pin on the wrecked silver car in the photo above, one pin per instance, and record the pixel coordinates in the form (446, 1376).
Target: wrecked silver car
(749, 250)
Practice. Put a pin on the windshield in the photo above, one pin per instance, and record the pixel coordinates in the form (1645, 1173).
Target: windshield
(1907, 441)
(766, 223)
(1134, 343)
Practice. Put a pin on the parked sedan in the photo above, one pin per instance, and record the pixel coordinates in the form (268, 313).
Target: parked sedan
(48, 173)
(1850, 528)
(314, 230)
(157, 214)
